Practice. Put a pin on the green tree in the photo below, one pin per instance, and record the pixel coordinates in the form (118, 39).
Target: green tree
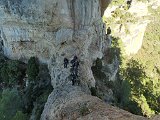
(4, 74)
(11, 72)
(117, 2)
(32, 68)
(10, 103)
(136, 77)
(125, 93)
(20, 116)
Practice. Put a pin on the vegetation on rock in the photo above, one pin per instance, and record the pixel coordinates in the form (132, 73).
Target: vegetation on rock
(32, 68)
(138, 88)
(29, 95)
(120, 16)
(11, 71)
(20, 116)
(84, 110)
(7, 108)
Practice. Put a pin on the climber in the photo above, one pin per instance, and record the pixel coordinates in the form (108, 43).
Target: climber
(65, 62)
(73, 79)
(108, 30)
(129, 2)
(76, 68)
(73, 61)
(76, 63)
(72, 70)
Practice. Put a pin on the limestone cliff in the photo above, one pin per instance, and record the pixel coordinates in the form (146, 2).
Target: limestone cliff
(130, 24)
(52, 30)
(71, 103)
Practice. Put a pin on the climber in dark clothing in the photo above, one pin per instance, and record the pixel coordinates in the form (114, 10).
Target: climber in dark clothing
(76, 63)
(129, 2)
(73, 75)
(73, 61)
(74, 69)
(108, 30)
(65, 62)
(73, 79)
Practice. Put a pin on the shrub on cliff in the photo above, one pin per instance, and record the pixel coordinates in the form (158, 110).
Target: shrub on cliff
(20, 116)
(117, 2)
(11, 72)
(138, 83)
(32, 68)
(84, 110)
(35, 95)
(10, 103)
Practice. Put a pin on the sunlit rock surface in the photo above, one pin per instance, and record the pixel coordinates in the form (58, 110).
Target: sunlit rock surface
(72, 103)
(133, 39)
(52, 30)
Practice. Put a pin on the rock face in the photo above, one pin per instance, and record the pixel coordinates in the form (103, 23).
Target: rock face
(53, 30)
(133, 38)
(71, 103)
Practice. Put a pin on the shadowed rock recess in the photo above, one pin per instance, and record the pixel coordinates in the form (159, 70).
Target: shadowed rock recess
(53, 30)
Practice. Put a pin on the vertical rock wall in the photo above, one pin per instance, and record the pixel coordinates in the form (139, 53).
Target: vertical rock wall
(133, 29)
(52, 30)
